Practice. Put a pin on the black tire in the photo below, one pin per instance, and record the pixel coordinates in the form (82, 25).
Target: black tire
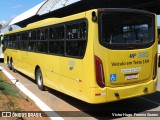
(12, 65)
(8, 63)
(39, 79)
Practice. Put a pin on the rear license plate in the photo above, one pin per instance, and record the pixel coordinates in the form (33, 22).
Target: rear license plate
(131, 76)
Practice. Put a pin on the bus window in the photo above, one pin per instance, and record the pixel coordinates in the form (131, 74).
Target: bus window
(18, 38)
(23, 42)
(32, 46)
(32, 35)
(23, 45)
(5, 42)
(32, 40)
(159, 45)
(123, 29)
(158, 34)
(42, 46)
(76, 39)
(42, 43)
(56, 37)
(42, 34)
(12, 41)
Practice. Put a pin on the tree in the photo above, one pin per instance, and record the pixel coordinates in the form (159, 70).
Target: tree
(1, 26)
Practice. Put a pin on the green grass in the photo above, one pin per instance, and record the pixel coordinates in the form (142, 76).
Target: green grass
(10, 90)
(10, 97)
(7, 88)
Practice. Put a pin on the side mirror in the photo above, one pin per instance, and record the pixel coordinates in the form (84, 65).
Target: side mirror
(94, 17)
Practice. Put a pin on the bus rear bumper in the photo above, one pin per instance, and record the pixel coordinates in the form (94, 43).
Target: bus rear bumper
(109, 94)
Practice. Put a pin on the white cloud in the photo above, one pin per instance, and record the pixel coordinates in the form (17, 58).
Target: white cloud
(2, 22)
(18, 6)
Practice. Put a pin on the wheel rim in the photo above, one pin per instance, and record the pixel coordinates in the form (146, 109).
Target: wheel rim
(39, 79)
(8, 63)
(12, 66)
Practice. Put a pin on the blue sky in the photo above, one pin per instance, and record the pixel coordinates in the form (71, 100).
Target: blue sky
(11, 8)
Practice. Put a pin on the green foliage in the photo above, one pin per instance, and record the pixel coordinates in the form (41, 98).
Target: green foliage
(7, 88)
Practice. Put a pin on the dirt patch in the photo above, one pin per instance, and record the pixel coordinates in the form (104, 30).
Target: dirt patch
(12, 99)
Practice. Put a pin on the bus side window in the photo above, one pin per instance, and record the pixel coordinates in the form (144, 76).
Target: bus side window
(23, 42)
(42, 46)
(31, 46)
(56, 40)
(76, 39)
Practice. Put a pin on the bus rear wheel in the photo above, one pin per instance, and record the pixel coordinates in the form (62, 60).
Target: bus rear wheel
(12, 67)
(10, 64)
(39, 79)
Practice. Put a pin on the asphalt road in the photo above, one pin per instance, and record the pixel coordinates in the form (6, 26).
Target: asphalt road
(69, 107)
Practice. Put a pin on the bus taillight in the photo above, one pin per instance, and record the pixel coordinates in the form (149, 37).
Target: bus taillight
(99, 72)
(155, 67)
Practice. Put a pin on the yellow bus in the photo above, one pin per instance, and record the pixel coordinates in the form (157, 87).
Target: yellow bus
(97, 56)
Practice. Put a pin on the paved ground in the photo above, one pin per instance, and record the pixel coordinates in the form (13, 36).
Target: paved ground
(60, 102)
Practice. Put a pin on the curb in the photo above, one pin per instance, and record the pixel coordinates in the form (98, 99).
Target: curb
(37, 101)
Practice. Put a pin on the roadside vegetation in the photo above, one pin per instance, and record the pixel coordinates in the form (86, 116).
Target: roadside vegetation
(12, 99)
(8, 95)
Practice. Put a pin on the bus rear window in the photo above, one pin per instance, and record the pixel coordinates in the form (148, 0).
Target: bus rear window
(118, 30)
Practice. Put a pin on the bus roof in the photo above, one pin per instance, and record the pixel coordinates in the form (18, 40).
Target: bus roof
(51, 21)
(48, 22)
(41, 22)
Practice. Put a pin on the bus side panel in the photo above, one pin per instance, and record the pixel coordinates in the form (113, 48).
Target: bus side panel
(88, 69)
(6, 55)
(23, 62)
(28, 60)
(71, 75)
(50, 71)
(16, 58)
